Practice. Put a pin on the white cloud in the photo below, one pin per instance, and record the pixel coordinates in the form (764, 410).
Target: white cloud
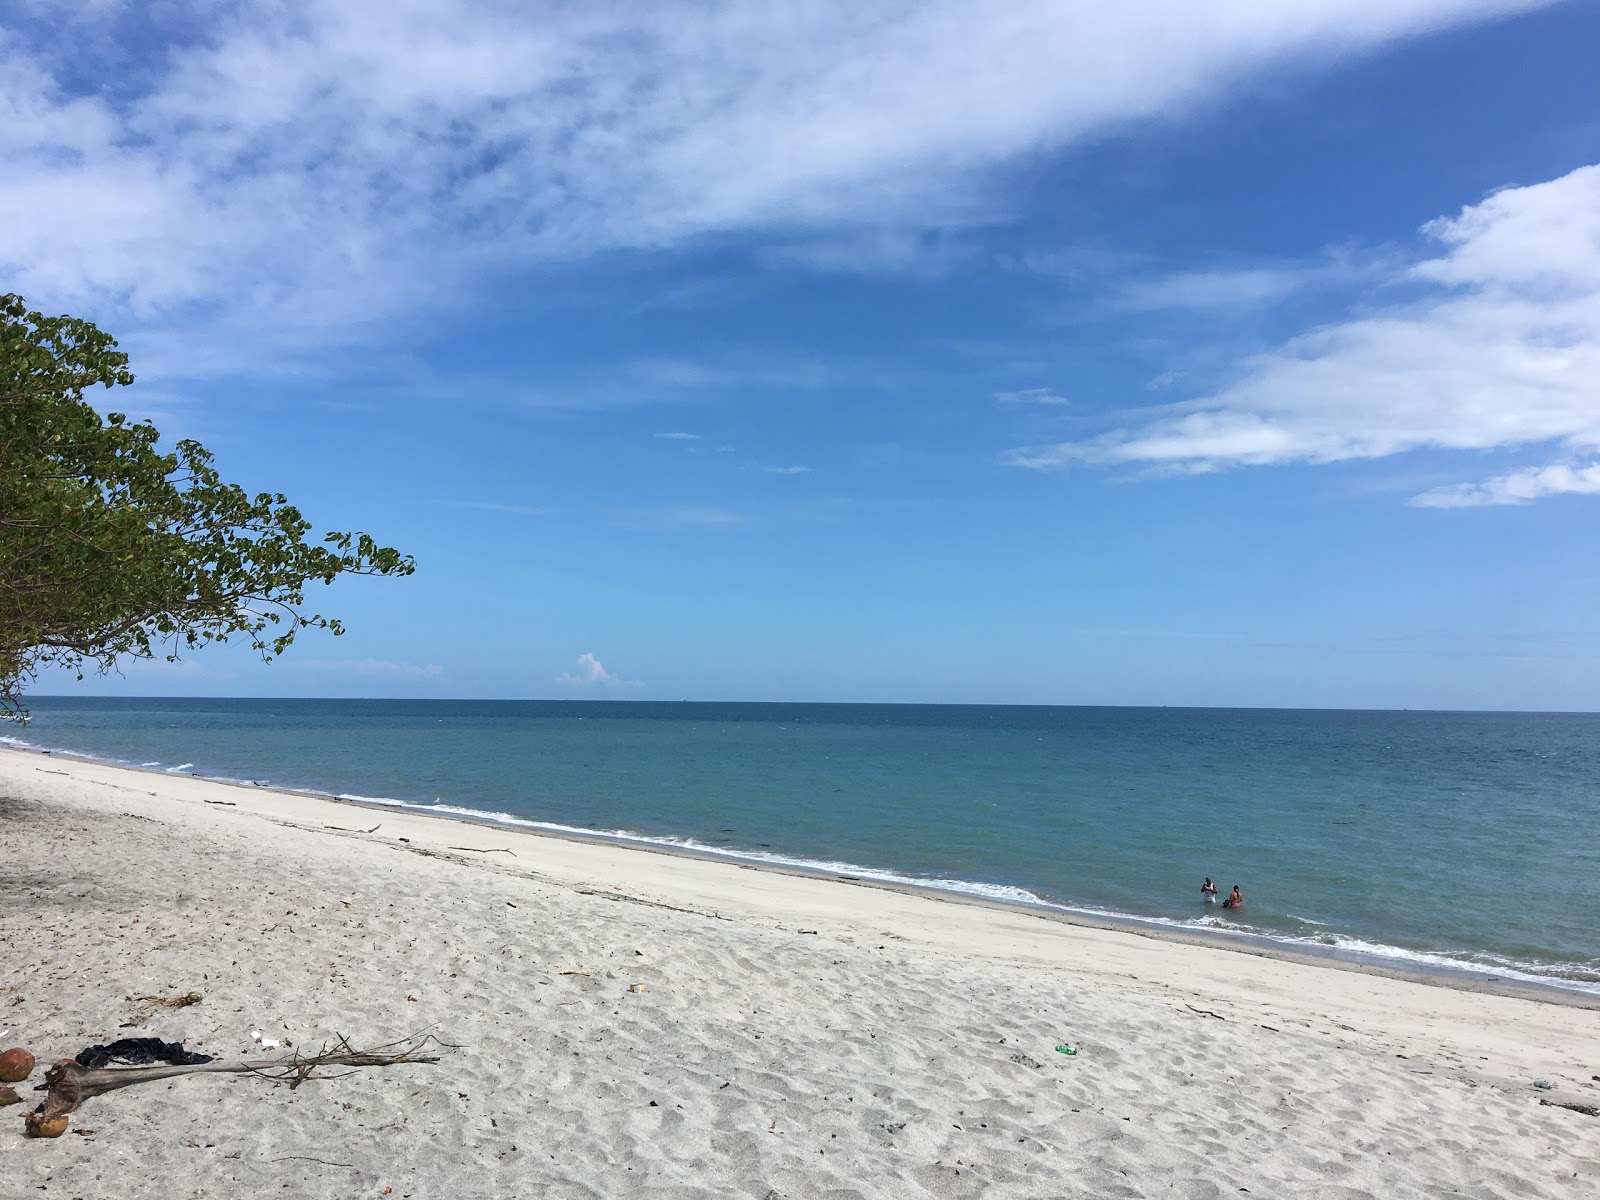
(1042, 397)
(1208, 290)
(1516, 487)
(1503, 351)
(591, 673)
(1251, 287)
(787, 470)
(282, 177)
(679, 437)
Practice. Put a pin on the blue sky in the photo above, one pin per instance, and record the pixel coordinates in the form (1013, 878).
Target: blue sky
(1236, 354)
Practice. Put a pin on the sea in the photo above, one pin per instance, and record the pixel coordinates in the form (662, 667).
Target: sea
(1454, 842)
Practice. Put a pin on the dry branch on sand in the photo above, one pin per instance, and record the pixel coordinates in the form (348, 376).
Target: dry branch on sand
(70, 1083)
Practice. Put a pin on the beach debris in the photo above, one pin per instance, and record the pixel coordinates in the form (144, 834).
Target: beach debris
(266, 1042)
(476, 850)
(222, 803)
(16, 1064)
(183, 1001)
(41, 1125)
(1587, 1110)
(71, 1083)
(1543, 1085)
(1204, 1012)
(636, 987)
(8, 1096)
(1026, 1060)
(574, 971)
(342, 829)
(136, 1052)
(1066, 1048)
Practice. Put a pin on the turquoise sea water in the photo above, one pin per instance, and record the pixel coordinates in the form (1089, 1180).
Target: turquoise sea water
(1465, 839)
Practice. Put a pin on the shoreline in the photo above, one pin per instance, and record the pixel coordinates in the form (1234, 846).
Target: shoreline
(660, 1023)
(1462, 978)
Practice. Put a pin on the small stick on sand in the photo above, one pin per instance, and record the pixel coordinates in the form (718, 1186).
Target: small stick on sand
(342, 829)
(1206, 1012)
(475, 850)
(183, 1001)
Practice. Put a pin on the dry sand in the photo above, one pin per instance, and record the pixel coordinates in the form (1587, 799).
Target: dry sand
(794, 1037)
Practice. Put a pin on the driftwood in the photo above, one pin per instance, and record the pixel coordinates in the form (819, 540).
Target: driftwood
(70, 1083)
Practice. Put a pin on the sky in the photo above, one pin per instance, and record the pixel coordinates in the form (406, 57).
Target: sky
(1041, 352)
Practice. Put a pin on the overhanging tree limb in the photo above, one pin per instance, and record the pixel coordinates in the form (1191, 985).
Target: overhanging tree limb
(113, 547)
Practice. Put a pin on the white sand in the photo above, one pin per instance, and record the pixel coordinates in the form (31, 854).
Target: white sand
(904, 1048)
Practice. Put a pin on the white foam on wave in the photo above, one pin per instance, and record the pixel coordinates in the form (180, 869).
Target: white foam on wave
(989, 891)
(1569, 976)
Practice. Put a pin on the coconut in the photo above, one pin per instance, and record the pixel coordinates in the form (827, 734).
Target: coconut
(16, 1064)
(40, 1125)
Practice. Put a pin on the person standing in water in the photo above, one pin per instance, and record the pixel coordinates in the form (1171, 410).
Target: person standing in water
(1208, 891)
(1235, 899)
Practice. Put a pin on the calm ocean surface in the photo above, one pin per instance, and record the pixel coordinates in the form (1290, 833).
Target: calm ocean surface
(1470, 839)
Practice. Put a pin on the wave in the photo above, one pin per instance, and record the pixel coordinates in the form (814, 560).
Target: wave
(1567, 976)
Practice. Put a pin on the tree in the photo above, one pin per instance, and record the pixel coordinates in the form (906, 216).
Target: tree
(111, 546)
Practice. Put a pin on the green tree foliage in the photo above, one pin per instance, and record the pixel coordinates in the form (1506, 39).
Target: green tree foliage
(112, 547)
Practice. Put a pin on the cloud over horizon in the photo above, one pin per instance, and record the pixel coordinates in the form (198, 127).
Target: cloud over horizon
(592, 673)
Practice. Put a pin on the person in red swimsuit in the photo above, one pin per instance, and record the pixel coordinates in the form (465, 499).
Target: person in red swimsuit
(1234, 900)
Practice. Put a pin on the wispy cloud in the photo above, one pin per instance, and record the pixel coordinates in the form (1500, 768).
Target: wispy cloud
(796, 470)
(1228, 290)
(296, 176)
(1516, 487)
(519, 510)
(591, 673)
(1501, 352)
(679, 437)
(1040, 397)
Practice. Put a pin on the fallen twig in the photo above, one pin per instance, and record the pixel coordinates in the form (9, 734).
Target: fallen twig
(228, 803)
(627, 899)
(183, 1001)
(475, 850)
(1205, 1012)
(342, 829)
(70, 1084)
(573, 972)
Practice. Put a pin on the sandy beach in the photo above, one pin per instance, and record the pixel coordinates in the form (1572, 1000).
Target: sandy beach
(622, 1022)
